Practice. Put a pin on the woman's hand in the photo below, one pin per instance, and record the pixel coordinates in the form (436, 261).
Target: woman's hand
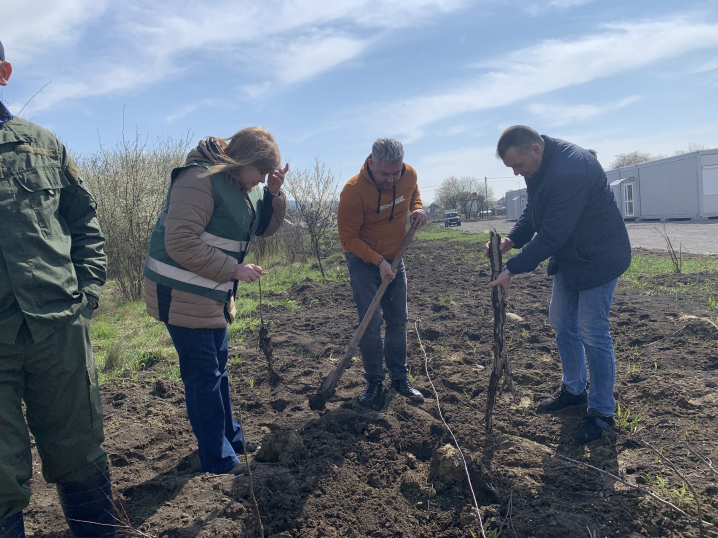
(275, 180)
(247, 272)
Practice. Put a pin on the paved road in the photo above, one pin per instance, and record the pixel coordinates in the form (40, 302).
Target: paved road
(695, 236)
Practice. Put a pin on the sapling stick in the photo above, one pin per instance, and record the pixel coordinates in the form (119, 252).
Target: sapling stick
(502, 366)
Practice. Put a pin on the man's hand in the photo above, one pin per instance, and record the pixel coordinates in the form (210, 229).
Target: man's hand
(247, 272)
(276, 179)
(502, 280)
(418, 218)
(385, 269)
(506, 245)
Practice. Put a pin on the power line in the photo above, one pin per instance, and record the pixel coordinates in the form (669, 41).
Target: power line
(428, 187)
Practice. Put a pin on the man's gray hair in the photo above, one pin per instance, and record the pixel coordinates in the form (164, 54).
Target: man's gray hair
(387, 150)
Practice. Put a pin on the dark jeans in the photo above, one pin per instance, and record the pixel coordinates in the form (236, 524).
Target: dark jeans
(365, 282)
(203, 366)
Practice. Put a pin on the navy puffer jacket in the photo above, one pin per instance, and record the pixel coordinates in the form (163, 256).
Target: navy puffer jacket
(574, 215)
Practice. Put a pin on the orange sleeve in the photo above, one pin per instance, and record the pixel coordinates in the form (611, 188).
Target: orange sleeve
(350, 217)
(415, 202)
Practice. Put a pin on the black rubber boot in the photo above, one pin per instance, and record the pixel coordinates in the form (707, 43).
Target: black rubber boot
(88, 507)
(12, 527)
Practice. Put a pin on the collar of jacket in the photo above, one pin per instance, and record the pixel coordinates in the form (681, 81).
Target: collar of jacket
(5, 114)
(369, 173)
(549, 149)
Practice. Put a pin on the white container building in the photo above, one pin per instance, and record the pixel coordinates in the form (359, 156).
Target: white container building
(676, 188)
(515, 204)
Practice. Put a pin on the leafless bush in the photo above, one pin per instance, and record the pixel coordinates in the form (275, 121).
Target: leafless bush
(313, 191)
(129, 182)
(288, 243)
(676, 257)
(293, 239)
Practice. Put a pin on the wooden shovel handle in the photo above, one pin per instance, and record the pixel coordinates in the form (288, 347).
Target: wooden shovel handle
(331, 380)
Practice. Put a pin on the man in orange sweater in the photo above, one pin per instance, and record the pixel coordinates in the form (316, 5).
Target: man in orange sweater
(372, 226)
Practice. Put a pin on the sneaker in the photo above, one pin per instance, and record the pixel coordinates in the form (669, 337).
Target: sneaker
(561, 400)
(370, 395)
(404, 387)
(592, 428)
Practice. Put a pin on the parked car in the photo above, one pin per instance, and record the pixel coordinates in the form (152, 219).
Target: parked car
(451, 218)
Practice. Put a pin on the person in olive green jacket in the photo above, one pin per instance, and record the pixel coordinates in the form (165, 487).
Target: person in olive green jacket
(52, 265)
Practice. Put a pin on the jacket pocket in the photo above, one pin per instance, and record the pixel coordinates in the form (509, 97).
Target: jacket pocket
(582, 256)
(43, 186)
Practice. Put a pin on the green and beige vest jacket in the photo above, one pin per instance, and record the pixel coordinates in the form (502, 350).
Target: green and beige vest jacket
(230, 229)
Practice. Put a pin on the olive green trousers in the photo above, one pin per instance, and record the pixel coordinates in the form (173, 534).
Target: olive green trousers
(57, 380)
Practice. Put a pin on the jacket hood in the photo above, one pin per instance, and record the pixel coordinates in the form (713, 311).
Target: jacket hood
(209, 150)
(367, 175)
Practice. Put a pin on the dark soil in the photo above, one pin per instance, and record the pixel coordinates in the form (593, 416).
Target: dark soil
(355, 472)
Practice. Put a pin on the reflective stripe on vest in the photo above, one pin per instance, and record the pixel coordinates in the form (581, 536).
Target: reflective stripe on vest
(220, 242)
(188, 277)
(225, 244)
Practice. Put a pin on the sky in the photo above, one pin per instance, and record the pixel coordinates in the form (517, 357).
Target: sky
(328, 78)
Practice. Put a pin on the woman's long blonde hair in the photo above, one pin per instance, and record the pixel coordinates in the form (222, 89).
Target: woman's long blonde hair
(253, 145)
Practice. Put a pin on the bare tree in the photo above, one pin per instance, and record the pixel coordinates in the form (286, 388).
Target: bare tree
(313, 191)
(129, 182)
(468, 195)
(634, 157)
(463, 194)
(447, 195)
(692, 147)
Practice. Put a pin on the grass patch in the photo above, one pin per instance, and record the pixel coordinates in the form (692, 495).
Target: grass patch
(124, 337)
(643, 267)
(642, 273)
(437, 232)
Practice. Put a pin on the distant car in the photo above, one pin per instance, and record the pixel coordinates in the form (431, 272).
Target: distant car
(451, 219)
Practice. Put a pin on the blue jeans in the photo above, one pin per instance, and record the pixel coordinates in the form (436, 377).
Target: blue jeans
(580, 319)
(365, 281)
(203, 367)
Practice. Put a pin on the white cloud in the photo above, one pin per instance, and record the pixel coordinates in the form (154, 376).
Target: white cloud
(555, 114)
(552, 65)
(536, 8)
(710, 65)
(30, 27)
(204, 103)
(280, 42)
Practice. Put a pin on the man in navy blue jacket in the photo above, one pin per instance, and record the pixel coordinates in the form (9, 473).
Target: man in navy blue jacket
(572, 220)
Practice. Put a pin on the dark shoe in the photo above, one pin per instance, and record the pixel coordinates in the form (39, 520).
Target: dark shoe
(238, 470)
(370, 395)
(592, 428)
(405, 388)
(561, 400)
(249, 447)
(88, 507)
(12, 527)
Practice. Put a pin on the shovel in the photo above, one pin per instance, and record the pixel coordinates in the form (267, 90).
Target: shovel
(328, 388)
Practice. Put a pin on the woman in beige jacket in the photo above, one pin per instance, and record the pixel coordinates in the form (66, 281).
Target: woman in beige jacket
(214, 209)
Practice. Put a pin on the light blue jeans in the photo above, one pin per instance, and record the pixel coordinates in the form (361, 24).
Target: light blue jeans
(580, 320)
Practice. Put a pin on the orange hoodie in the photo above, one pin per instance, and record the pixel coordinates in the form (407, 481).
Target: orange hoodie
(372, 222)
